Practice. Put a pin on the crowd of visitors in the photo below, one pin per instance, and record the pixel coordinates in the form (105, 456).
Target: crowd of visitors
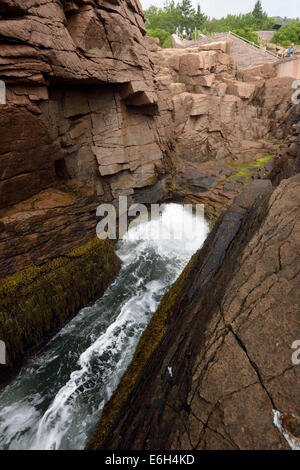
(185, 33)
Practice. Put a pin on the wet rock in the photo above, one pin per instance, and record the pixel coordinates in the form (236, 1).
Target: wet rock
(228, 333)
(95, 110)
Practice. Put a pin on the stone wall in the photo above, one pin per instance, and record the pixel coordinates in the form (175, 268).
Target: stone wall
(289, 68)
(245, 55)
(265, 35)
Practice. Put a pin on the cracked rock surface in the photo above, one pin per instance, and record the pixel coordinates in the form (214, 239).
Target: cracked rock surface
(92, 109)
(230, 337)
(79, 121)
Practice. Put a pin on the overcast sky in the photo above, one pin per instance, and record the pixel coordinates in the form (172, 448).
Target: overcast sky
(220, 8)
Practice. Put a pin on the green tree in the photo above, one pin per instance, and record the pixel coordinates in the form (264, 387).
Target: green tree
(186, 9)
(167, 18)
(161, 34)
(247, 33)
(199, 18)
(262, 21)
(167, 43)
(179, 13)
(258, 11)
(288, 34)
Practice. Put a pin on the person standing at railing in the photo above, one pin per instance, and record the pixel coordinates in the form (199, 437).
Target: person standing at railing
(291, 50)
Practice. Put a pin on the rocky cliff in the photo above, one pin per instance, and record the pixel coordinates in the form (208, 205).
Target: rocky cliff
(80, 123)
(228, 122)
(95, 109)
(222, 362)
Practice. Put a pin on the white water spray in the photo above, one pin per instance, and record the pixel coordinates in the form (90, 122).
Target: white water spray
(56, 400)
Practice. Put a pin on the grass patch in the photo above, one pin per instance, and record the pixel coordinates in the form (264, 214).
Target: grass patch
(261, 161)
(274, 143)
(246, 170)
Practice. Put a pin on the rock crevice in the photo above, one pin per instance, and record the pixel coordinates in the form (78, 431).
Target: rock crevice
(228, 354)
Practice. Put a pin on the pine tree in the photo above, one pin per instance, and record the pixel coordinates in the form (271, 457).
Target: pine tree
(200, 17)
(186, 9)
(258, 11)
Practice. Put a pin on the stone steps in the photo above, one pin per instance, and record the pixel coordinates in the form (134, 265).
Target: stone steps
(245, 55)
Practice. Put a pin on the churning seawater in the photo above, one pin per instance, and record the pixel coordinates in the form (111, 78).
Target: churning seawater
(56, 400)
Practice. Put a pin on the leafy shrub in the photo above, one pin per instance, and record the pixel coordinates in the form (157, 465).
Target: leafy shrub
(247, 34)
(288, 34)
(167, 43)
(160, 34)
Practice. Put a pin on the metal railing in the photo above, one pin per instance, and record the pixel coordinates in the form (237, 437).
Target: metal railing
(254, 45)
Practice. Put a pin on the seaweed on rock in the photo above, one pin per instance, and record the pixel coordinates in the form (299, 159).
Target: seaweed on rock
(37, 301)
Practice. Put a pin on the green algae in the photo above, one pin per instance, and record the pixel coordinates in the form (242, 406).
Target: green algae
(274, 143)
(37, 301)
(245, 173)
(261, 161)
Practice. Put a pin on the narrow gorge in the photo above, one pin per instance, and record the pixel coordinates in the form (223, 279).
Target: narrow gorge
(145, 343)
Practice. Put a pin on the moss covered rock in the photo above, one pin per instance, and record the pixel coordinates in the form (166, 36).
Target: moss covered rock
(36, 302)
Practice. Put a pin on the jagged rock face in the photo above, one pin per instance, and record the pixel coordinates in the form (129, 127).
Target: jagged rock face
(287, 162)
(71, 44)
(228, 346)
(95, 110)
(218, 112)
(223, 117)
(91, 108)
(80, 123)
(78, 40)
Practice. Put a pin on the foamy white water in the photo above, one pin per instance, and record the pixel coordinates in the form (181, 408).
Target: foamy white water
(56, 400)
